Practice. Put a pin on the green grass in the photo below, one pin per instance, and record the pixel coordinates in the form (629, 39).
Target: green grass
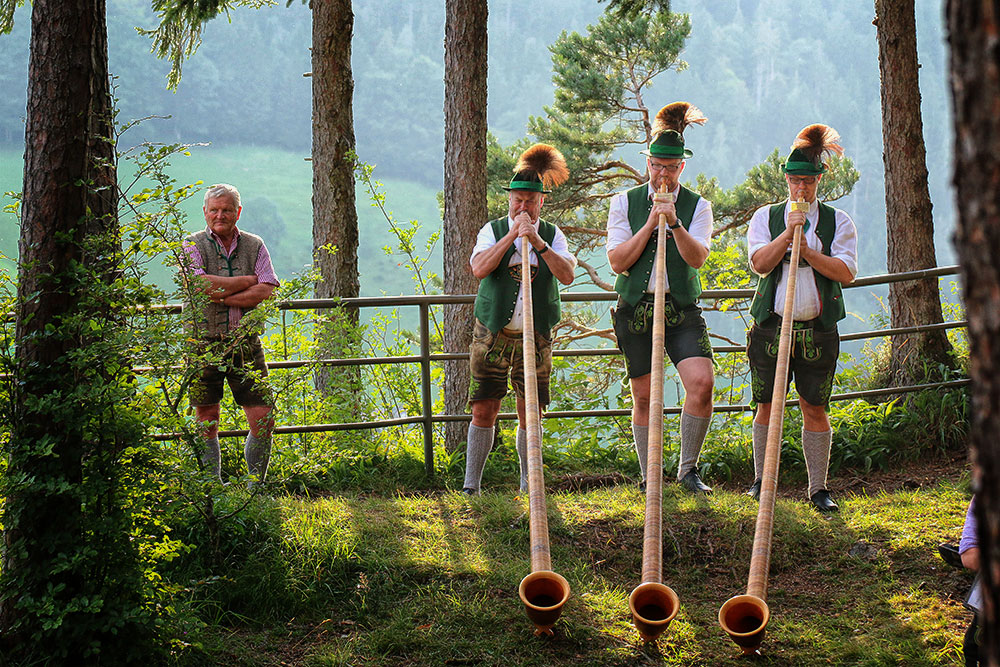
(431, 579)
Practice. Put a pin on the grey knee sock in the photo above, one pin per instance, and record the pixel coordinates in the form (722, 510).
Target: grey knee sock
(258, 454)
(759, 449)
(478, 446)
(641, 435)
(211, 457)
(816, 448)
(693, 431)
(522, 456)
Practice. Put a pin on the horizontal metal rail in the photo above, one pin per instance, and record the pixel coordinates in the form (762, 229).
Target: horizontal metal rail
(570, 414)
(449, 299)
(425, 358)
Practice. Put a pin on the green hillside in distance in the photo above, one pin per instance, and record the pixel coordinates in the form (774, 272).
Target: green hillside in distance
(276, 186)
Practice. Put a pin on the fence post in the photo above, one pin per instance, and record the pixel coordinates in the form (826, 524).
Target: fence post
(425, 388)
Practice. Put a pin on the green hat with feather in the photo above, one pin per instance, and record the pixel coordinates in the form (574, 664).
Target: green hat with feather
(540, 168)
(668, 130)
(811, 145)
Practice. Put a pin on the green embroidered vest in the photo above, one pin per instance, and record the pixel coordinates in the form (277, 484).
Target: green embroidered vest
(685, 285)
(830, 291)
(498, 291)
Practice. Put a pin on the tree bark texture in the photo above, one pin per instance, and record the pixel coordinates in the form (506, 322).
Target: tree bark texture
(68, 101)
(909, 219)
(464, 187)
(335, 216)
(973, 26)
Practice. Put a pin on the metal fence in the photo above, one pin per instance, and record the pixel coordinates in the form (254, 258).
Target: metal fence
(425, 358)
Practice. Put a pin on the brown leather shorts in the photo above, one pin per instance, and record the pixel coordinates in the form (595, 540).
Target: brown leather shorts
(243, 367)
(494, 356)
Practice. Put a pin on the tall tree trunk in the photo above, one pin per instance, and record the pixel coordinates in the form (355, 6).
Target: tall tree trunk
(335, 217)
(464, 186)
(69, 197)
(975, 87)
(910, 225)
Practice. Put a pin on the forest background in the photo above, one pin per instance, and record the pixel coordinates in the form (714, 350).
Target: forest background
(759, 69)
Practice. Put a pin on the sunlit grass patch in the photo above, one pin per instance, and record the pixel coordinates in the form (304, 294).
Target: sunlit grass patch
(935, 620)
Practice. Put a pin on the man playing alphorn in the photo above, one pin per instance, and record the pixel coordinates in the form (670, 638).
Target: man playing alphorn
(828, 260)
(631, 245)
(496, 349)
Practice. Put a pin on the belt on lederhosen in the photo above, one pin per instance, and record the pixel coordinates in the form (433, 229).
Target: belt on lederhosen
(802, 332)
(643, 313)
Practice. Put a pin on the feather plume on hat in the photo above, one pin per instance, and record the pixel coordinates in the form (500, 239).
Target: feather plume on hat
(817, 141)
(546, 162)
(677, 116)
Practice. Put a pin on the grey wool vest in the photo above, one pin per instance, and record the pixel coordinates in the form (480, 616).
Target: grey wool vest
(214, 321)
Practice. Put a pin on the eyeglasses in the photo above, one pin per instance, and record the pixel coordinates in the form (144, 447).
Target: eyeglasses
(669, 168)
(803, 180)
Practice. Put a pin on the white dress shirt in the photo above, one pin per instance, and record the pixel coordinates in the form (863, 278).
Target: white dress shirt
(486, 240)
(620, 231)
(844, 247)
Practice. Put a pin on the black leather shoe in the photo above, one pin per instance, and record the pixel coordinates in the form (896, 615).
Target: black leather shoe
(642, 485)
(822, 501)
(754, 490)
(692, 482)
(949, 553)
(470, 492)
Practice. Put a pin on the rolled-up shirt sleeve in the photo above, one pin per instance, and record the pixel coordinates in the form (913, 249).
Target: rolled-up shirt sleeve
(619, 231)
(845, 243)
(560, 246)
(263, 268)
(484, 241)
(758, 234)
(701, 223)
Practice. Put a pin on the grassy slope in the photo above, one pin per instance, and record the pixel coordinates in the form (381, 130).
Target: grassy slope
(432, 580)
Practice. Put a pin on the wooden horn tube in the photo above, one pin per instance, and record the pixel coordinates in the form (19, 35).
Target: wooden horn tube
(652, 604)
(745, 617)
(543, 592)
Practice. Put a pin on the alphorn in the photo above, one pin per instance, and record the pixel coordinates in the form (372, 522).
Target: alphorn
(745, 617)
(654, 605)
(543, 591)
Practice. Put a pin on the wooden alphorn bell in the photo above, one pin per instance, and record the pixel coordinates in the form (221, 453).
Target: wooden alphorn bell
(745, 617)
(543, 592)
(654, 605)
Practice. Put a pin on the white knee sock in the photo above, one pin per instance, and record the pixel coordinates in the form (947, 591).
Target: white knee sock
(816, 448)
(257, 452)
(693, 431)
(759, 449)
(641, 436)
(477, 449)
(211, 457)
